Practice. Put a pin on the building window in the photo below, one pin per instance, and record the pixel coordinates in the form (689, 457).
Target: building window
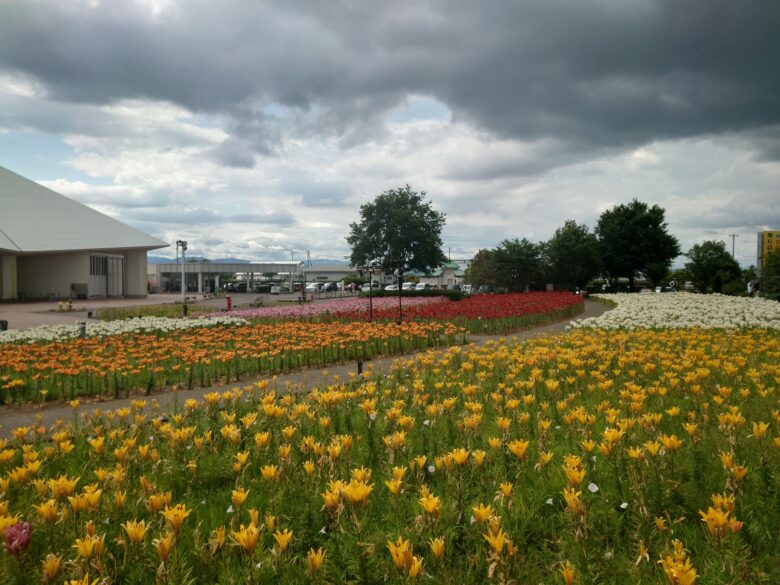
(98, 265)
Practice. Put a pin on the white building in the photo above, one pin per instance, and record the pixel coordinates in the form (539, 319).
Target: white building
(205, 277)
(52, 247)
(446, 276)
(327, 272)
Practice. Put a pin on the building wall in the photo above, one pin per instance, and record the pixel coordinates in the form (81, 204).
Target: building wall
(325, 276)
(768, 243)
(135, 273)
(51, 275)
(106, 275)
(447, 278)
(7, 277)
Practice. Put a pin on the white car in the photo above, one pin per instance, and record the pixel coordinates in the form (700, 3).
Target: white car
(313, 287)
(391, 287)
(421, 286)
(373, 286)
(407, 286)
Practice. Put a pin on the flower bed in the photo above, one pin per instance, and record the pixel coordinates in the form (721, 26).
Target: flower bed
(119, 327)
(356, 308)
(596, 457)
(684, 310)
(488, 313)
(123, 364)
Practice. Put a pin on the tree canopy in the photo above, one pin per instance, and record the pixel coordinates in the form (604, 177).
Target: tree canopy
(711, 266)
(572, 256)
(399, 231)
(770, 275)
(519, 264)
(634, 238)
(482, 269)
(515, 265)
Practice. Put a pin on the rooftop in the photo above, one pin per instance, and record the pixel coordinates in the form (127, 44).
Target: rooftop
(37, 219)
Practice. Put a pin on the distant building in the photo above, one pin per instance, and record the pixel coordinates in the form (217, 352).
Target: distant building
(202, 276)
(768, 242)
(446, 276)
(327, 272)
(52, 247)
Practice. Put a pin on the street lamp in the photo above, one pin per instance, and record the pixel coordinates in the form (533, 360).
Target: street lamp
(370, 268)
(399, 282)
(183, 245)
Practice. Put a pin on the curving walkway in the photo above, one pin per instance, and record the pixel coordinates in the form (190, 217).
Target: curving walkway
(16, 416)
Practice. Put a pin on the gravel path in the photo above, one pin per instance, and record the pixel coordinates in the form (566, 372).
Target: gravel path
(16, 416)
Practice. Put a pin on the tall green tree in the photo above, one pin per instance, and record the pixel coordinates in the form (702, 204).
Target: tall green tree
(483, 269)
(571, 256)
(398, 231)
(518, 265)
(770, 276)
(711, 266)
(634, 238)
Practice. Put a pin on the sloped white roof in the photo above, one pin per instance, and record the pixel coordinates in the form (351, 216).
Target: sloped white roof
(36, 219)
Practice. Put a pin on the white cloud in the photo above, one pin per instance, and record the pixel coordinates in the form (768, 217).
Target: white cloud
(161, 180)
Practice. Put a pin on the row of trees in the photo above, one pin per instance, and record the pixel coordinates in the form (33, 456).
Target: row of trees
(399, 232)
(628, 239)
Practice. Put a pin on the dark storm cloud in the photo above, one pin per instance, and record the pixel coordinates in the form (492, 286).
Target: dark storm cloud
(767, 142)
(234, 152)
(592, 74)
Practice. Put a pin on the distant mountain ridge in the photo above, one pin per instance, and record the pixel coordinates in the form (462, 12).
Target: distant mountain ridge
(163, 260)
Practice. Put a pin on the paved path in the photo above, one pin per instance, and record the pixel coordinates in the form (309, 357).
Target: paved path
(33, 314)
(15, 416)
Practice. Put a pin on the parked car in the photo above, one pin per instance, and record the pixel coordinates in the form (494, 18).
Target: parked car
(263, 288)
(391, 287)
(422, 286)
(236, 287)
(331, 287)
(313, 287)
(407, 286)
(466, 289)
(373, 286)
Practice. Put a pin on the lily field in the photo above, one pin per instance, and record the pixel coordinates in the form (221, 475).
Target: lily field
(627, 450)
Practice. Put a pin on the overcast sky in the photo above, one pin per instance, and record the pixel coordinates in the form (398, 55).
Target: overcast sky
(253, 128)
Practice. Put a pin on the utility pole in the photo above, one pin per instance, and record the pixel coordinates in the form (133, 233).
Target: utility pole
(733, 238)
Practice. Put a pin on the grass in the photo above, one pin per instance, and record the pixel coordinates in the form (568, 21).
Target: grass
(167, 310)
(581, 457)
